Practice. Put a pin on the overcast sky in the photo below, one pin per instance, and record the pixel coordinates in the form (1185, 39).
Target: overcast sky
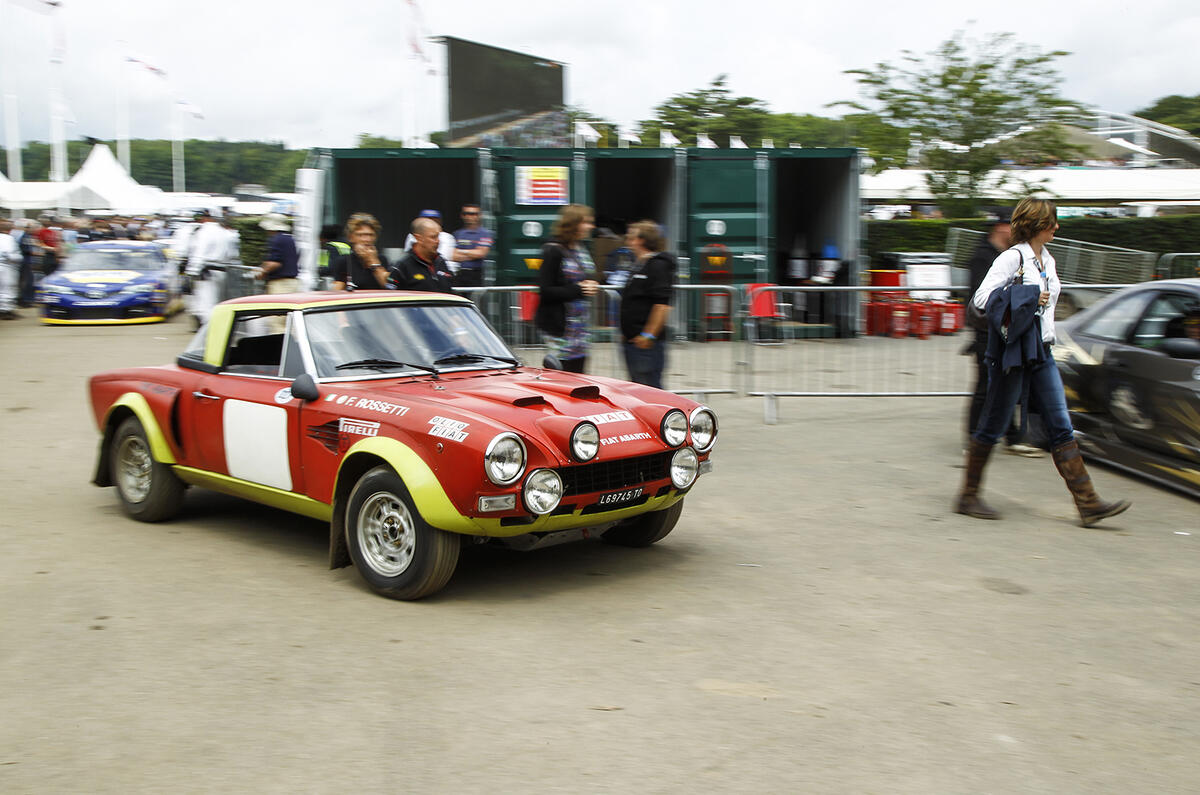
(317, 73)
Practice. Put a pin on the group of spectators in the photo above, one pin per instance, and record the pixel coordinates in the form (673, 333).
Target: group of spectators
(433, 260)
(436, 261)
(29, 247)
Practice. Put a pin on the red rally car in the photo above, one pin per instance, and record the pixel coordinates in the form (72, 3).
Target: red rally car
(404, 421)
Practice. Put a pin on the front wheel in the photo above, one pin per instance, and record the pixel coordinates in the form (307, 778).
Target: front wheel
(644, 530)
(149, 491)
(395, 551)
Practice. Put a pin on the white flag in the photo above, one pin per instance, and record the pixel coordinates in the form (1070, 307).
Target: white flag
(704, 142)
(666, 140)
(629, 137)
(735, 142)
(188, 107)
(586, 131)
(154, 70)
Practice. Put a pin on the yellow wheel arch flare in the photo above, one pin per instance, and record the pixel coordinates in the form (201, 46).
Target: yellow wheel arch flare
(133, 401)
(423, 486)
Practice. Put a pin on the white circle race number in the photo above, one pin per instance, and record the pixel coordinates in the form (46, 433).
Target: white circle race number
(531, 229)
(715, 227)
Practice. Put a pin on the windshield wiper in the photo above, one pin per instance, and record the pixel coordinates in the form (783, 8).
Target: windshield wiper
(475, 357)
(384, 364)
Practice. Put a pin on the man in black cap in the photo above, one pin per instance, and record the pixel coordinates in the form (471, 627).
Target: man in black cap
(996, 242)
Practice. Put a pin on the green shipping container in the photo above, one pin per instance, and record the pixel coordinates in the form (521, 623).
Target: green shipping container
(394, 185)
(773, 211)
(782, 215)
(530, 186)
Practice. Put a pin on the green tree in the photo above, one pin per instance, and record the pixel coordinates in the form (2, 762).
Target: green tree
(1175, 110)
(713, 110)
(369, 141)
(967, 107)
(210, 166)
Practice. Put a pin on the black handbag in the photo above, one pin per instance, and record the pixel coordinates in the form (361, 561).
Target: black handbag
(977, 318)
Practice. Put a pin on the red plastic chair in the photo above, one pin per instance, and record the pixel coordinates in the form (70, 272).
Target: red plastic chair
(527, 303)
(764, 303)
(765, 312)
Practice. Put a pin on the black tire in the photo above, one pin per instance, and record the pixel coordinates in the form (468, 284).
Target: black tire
(394, 550)
(149, 490)
(644, 530)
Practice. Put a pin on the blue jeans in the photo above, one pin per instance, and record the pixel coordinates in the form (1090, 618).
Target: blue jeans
(1045, 397)
(646, 364)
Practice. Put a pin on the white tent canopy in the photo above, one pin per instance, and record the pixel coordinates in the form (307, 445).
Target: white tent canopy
(1065, 184)
(100, 184)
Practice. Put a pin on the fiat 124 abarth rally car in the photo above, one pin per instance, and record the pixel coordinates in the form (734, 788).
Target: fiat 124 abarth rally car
(404, 421)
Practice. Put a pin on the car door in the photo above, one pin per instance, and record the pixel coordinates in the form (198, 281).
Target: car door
(1154, 398)
(244, 422)
(1088, 376)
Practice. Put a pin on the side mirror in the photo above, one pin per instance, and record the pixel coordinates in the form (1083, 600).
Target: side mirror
(305, 388)
(551, 362)
(1181, 347)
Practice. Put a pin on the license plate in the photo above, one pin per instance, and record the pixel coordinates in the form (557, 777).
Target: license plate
(620, 497)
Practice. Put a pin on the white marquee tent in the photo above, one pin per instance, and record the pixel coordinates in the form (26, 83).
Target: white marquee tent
(1066, 184)
(101, 183)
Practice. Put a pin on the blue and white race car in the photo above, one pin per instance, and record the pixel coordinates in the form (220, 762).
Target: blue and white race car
(110, 281)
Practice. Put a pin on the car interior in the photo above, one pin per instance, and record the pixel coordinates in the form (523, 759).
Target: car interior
(257, 349)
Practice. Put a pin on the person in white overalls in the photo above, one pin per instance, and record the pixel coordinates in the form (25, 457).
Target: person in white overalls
(206, 261)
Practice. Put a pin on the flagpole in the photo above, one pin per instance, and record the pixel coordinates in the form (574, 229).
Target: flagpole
(177, 166)
(12, 134)
(123, 118)
(58, 132)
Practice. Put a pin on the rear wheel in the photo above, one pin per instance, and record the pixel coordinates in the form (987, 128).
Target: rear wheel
(644, 530)
(395, 551)
(149, 491)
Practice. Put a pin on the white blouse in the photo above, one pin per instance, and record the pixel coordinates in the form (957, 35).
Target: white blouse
(1004, 268)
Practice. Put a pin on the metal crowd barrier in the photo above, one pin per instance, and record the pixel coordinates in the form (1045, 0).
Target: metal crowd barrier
(697, 363)
(773, 341)
(888, 355)
(1178, 265)
(238, 280)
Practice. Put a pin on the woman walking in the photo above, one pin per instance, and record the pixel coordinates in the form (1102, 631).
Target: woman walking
(1021, 333)
(565, 282)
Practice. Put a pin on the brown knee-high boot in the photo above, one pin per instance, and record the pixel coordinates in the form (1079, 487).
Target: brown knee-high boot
(968, 500)
(1091, 508)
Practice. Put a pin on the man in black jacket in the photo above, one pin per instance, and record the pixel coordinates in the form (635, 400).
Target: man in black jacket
(646, 303)
(422, 268)
(996, 242)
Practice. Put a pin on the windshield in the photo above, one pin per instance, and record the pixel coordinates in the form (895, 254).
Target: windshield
(402, 339)
(113, 259)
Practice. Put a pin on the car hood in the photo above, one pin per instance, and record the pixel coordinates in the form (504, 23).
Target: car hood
(103, 278)
(542, 406)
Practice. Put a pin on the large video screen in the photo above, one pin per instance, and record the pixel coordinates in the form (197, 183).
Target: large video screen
(503, 98)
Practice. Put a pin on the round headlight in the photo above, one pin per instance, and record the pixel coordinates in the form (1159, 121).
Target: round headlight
(585, 441)
(704, 429)
(504, 460)
(685, 464)
(543, 490)
(674, 428)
